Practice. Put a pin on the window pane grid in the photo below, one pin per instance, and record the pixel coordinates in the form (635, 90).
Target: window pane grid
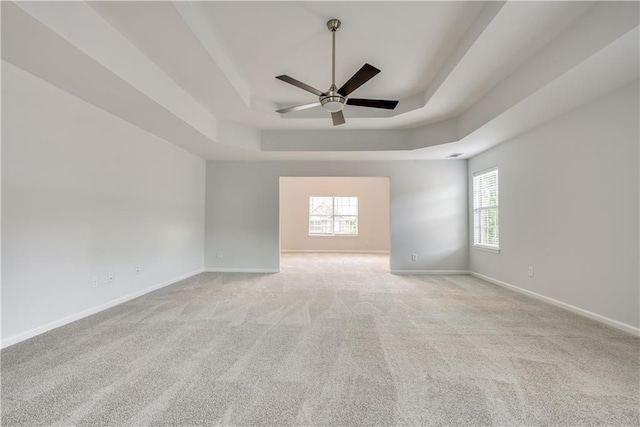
(485, 209)
(333, 216)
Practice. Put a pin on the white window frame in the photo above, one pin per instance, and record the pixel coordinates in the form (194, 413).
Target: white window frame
(333, 215)
(477, 210)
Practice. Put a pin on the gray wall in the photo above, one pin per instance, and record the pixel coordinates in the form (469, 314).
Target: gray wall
(86, 194)
(569, 208)
(428, 211)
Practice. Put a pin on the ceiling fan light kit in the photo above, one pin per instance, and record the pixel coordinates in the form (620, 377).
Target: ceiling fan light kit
(334, 100)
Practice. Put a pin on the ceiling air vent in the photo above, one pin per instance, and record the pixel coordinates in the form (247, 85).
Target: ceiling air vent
(454, 155)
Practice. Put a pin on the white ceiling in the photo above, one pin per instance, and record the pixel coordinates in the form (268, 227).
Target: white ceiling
(468, 75)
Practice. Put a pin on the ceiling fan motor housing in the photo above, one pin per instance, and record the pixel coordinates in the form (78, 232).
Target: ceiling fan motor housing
(333, 101)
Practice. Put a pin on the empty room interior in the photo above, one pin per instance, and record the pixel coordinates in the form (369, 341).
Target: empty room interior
(320, 213)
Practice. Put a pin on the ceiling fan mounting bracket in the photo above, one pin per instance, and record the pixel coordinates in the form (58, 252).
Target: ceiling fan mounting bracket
(333, 25)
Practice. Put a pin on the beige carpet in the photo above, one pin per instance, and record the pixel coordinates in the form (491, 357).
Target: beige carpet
(332, 340)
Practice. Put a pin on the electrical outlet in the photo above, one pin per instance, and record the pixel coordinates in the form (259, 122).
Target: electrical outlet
(94, 282)
(219, 254)
(414, 257)
(137, 271)
(530, 271)
(110, 278)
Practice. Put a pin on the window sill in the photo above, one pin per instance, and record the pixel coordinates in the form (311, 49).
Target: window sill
(483, 248)
(333, 235)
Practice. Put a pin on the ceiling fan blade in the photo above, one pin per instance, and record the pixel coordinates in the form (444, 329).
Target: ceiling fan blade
(373, 103)
(299, 84)
(297, 108)
(358, 79)
(338, 118)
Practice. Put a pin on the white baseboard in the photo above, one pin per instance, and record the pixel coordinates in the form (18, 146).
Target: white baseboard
(241, 270)
(429, 272)
(331, 251)
(93, 310)
(602, 319)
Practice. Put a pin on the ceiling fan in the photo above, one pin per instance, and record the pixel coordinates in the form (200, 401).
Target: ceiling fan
(335, 99)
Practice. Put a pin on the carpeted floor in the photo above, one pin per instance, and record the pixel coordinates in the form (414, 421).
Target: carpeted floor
(332, 340)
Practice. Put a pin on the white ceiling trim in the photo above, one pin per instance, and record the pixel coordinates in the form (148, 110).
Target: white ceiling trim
(84, 28)
(361, 140)
(194, 17)
(600, 44)
(611, 68)
(485, 17)
(602, 25)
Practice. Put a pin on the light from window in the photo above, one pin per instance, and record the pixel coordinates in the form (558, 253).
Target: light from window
(485, 209)
(333, 216)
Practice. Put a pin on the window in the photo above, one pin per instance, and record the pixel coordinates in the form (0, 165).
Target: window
(333, 216)
(485, 210)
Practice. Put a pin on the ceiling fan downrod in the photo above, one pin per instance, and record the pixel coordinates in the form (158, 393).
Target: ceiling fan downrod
(333, 25)
(333, 101)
